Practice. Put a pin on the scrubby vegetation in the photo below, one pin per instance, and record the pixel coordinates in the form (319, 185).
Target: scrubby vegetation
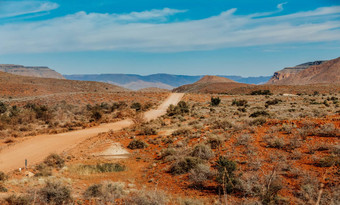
(250, 149)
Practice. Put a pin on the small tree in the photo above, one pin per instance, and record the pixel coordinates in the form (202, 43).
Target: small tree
(215, 101)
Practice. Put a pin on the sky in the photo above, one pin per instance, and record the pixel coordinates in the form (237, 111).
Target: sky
(191, 37)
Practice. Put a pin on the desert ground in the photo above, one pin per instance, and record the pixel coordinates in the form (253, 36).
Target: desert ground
(208, 149)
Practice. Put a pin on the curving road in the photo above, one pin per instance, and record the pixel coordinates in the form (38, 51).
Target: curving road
(37, 148)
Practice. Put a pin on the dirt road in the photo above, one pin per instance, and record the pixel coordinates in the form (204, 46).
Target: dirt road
(37, 148)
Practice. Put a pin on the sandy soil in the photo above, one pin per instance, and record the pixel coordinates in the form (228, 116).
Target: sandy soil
(35, 149)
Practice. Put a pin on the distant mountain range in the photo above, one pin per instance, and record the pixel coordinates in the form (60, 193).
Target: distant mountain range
(165, 81)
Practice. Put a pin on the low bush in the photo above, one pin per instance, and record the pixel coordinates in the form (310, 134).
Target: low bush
(181, 131)
(43, 170)
(148, 131)
(272, 102)
(259, 113)
(215, 101)
(261, 92)
(19, 200)
(328, 161)
(2, 188)
(106, 192)
(136, 106)
(257, 122)
(92, 191)
(54, 193)
(328, 130)
(3, 176)
(54, 160)
(184, 165)
(199, 175)
(137, 144)
(274, 141)
(215, 141)
(222, 124)
(244, 139)
(239, 103)
(85, 169)
(147, 198)
(203, 152)
(180, 109)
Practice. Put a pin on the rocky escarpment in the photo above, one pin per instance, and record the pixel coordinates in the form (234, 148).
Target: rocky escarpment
(291, 71)
(42, 72)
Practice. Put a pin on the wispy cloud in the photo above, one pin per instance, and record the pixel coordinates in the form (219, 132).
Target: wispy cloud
(18, 8)
(130, 32)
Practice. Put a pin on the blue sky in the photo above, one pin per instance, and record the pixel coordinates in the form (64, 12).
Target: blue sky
(226, 37)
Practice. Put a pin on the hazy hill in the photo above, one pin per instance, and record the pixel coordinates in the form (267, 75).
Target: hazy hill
(165, 81)
(38, 71)
(15, 85)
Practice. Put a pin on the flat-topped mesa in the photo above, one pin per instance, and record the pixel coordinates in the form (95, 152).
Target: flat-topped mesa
(33, 71)
(214, 79)
(291, 71)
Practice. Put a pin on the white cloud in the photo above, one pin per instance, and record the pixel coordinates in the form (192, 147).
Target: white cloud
(18, 8)
(131, 32)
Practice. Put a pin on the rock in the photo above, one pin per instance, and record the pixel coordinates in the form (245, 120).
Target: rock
(29, 174)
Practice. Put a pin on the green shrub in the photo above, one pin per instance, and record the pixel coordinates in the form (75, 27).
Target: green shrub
(226, 173)
(137, 144)
(137, 106)
(259, 113)
(261, 92)
(180, 109)
(55, 193)
(215, 101)
(184, 165)
(96, 115)
(272, 102)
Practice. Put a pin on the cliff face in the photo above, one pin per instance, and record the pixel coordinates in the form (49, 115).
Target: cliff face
(42, 72)
(327, 72)
(290, 72)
